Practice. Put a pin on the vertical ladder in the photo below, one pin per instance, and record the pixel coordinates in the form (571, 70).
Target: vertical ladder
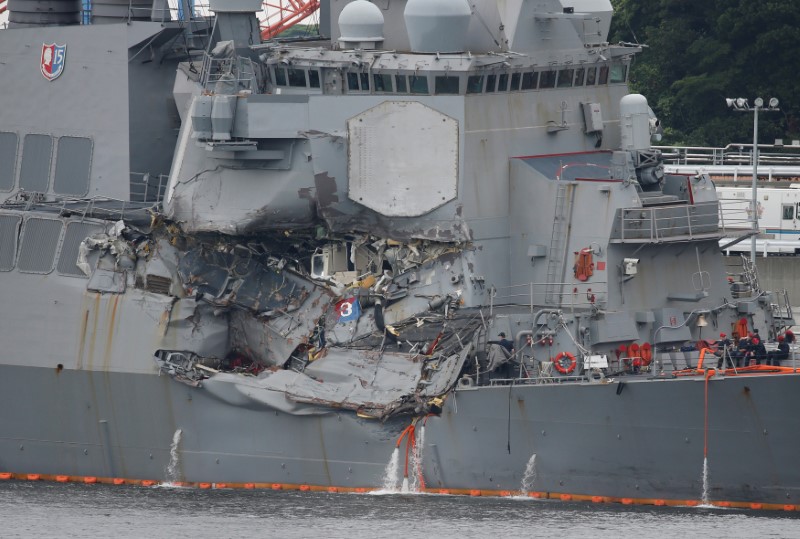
(558, 244)
(750, 275)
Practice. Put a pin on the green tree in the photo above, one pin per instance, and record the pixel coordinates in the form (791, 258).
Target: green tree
(698, 53)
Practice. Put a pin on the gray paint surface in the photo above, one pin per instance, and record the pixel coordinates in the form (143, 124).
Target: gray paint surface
(268, 326)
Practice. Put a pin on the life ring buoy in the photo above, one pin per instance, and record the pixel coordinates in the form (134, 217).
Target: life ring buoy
(646, 352)
(565, 362)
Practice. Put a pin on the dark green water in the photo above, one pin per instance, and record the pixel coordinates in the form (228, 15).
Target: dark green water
(45, 510)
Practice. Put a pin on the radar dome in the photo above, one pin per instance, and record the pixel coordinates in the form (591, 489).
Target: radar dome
(635, 122)
(361, 24)
(437, 25)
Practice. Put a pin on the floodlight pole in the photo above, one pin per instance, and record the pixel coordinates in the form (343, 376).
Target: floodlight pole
(742, 104)
(754, 213)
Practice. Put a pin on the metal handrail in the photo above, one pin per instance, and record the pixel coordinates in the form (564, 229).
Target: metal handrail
(732, 154)
(531, 293)
(664, 223)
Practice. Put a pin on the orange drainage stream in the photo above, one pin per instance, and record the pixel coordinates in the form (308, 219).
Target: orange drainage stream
(562, 496)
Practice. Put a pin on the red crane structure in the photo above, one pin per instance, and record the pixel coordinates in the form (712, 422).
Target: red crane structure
(279, 15)
(283, 14)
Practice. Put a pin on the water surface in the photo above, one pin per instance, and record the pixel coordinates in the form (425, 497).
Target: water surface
(44, 510)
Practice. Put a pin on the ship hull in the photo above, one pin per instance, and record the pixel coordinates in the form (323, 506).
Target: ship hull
(642, 439)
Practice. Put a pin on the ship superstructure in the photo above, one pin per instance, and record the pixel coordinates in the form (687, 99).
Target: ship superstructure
(274, 262)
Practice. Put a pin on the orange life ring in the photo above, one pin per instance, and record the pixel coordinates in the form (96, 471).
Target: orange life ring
(565, 362)
(646, 352)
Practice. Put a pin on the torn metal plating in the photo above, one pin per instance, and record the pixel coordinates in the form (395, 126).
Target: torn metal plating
(304, 322)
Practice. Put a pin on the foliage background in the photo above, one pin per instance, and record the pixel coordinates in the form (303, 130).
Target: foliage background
(698, 52)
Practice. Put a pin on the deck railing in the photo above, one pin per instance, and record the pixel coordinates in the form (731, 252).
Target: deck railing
(667, 223)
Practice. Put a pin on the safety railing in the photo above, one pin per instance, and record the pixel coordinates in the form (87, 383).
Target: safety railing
(227, 75)
(732, 154)
(735, 215)
(664, 224)
(578, 295)
(146, 187)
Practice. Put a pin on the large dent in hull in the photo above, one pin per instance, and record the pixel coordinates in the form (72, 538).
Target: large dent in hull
(374, 383)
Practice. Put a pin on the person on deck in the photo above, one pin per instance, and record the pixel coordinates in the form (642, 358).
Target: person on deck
(505, 343)
(500, 356)
(758, 352)
(742, 352)
(723, 350)
(776, 356)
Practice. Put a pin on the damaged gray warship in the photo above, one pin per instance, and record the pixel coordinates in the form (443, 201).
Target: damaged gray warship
(434, 251)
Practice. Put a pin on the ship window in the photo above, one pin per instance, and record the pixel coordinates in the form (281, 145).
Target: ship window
(603, 77)
(297, 78)
(446, 85)
(474, 84)
(34, 173)
(548, 79)
(280, 76)
(364, 81)
(502, 82)
(491, 82)
(580, 73)
(9, 232)
(618, 72)
(317, 266)
(352, 82)
(73, 163)
(313, 78)
(418, 84)
(68, 257)
(565, 78)
(788, 211)
(382, 82)
(8, 160)
(38, 245)
(515, 78)
(529, 80)
(591, 76)
(400, 83)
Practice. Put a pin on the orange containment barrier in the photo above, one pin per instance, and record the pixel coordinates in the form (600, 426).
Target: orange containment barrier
(445, 491)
